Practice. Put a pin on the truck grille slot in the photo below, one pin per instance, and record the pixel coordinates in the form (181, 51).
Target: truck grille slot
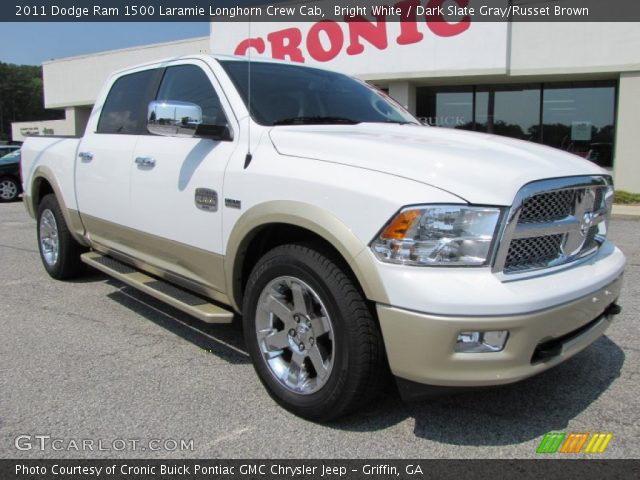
(554, 222)
(526, 253)
(547, 206)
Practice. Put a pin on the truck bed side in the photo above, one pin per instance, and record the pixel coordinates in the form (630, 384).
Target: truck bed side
(52, 159)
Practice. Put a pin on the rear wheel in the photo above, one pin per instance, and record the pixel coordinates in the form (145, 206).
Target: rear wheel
(9, 189)
(59, 251)
(314, 342)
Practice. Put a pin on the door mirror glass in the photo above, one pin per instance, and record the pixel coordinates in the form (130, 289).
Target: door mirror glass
(171, 118)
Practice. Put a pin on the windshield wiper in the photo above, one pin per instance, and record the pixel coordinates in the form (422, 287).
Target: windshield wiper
(318, 120)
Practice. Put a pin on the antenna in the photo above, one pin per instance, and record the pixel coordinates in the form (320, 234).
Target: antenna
(249, 157)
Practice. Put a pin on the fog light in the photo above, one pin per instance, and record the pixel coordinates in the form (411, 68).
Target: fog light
(481, 342)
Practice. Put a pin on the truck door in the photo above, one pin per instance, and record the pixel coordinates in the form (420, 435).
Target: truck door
(105, 155)
(177, 183)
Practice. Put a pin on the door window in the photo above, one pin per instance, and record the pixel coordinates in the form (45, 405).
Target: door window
(188, 83)
(125, 110)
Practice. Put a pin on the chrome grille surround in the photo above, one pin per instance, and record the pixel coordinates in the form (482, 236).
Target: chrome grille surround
(554, 222)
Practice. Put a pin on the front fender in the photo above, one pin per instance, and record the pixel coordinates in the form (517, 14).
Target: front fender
(312, 218)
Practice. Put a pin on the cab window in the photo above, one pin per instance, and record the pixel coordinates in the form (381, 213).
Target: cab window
(125, 109)
(188, 83)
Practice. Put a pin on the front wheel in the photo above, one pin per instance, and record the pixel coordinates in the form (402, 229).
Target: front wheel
(314, 342)
(59, 251)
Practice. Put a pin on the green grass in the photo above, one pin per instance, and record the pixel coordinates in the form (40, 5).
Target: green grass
(626, 198)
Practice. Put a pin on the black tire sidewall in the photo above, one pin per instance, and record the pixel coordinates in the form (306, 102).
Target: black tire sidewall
(56, 270)
(284, 264)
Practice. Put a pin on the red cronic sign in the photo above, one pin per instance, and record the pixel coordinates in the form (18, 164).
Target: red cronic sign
(289, 43)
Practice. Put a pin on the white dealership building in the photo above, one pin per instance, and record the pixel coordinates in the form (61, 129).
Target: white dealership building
(574, 86)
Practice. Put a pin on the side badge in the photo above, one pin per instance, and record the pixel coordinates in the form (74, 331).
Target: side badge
(231, 203)
(206, 199)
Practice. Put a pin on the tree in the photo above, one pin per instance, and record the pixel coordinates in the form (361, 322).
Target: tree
(22, 97)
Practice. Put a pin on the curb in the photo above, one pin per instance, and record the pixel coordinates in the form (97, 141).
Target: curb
(627, 212)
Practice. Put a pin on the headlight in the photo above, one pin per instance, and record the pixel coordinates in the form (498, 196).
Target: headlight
(439, 235)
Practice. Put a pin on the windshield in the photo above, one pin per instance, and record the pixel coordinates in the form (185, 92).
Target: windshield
(283, 94)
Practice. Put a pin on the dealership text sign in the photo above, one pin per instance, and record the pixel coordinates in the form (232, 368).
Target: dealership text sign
(325, 40)
(420, 44)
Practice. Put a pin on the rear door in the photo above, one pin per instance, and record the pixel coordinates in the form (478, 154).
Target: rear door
(176, 183)
(105, 156)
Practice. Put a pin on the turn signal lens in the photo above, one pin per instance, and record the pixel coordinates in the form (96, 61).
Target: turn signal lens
(398, 227)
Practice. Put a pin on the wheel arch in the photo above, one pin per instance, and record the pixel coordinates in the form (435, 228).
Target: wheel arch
(268, 225)
(44, 183)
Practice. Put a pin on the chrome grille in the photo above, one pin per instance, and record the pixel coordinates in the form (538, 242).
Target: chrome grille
(553, 222)
(548, 206)
(525, 253)
(591, 238)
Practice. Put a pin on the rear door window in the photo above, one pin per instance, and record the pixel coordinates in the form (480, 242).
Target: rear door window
(125, 110)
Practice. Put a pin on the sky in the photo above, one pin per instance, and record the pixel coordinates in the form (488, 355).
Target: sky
(34, 43)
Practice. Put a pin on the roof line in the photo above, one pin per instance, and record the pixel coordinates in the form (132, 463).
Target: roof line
(127, 49)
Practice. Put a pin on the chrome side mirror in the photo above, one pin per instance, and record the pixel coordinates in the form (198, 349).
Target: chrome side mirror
(171, 118)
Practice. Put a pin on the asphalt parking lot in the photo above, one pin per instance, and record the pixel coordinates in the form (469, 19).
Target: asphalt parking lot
(94, 359)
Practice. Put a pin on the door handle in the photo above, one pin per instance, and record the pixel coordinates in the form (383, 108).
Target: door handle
(145, 162)
(86, 156)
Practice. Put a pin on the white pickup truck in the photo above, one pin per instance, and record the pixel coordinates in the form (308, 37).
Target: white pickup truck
(352, 240)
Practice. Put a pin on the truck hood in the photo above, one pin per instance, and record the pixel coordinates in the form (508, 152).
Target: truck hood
(478, 167)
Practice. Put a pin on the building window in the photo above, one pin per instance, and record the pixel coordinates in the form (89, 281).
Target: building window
(578, 117)
(512, 111)
(446, 107)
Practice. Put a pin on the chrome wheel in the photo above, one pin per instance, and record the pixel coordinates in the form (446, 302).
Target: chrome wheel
(312, 337)
(295, 335)
(49, 242)
(8, 189)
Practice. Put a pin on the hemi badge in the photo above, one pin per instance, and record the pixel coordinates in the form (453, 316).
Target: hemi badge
(231, 203)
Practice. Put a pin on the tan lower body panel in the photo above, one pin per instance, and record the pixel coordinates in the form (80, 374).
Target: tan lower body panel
(421, 347)
(75, 222)
(28, 205)
(190, 267)
(71, 217)
(166, 292)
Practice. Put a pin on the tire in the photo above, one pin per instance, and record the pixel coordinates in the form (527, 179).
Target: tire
(314, 343)
(59, 251)
(9, 189)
